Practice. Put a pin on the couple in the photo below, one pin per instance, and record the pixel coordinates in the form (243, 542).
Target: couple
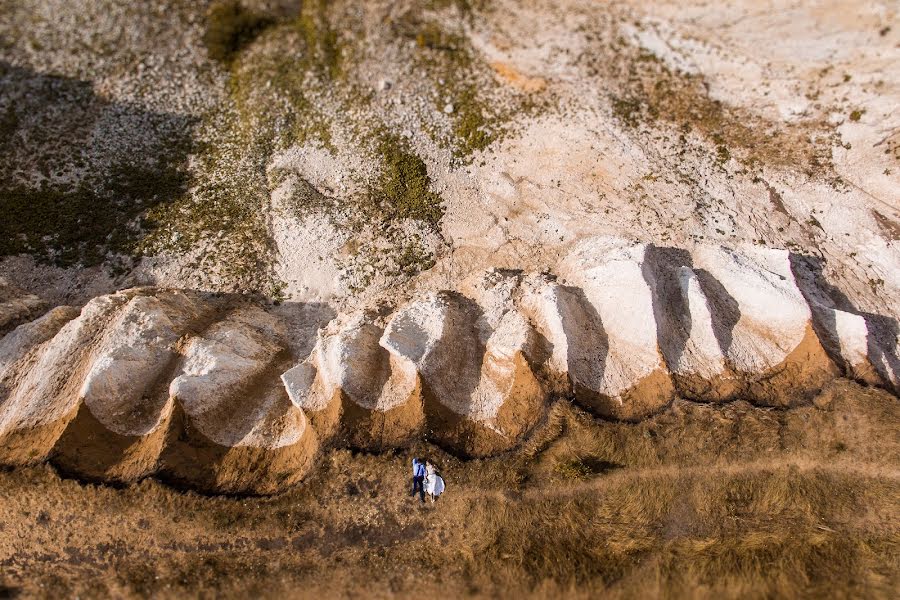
(426, 480)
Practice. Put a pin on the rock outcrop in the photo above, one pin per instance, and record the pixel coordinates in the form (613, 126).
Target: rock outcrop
(16, 306)
(632, 380)
(209, 390)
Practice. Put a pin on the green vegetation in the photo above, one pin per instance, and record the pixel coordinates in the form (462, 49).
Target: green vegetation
(78, 173)
(291, 82)
(71, 224)
(222, 215)
(288, 87)
(481, 110)
(413, 259)
(856, 115)
(322, 47)
(470, 125)
(628, 110)
(230, 27)
(280, 69)
(278, 86)
(404, 189)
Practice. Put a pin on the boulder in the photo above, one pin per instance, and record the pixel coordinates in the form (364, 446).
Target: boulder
(124, 409)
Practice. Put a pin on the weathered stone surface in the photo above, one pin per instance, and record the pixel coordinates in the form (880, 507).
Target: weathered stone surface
(212, 391)
(633, 380)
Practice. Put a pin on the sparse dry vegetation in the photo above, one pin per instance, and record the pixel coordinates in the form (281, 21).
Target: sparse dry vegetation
(81, 202)
(481, 111)
(700, 501)
(649, 91)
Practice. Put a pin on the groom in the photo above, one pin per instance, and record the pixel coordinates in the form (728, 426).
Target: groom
(418, 478)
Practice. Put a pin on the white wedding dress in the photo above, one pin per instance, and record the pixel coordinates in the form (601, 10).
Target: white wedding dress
(434, 484)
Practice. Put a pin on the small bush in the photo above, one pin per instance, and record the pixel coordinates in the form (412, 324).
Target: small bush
(230, 27)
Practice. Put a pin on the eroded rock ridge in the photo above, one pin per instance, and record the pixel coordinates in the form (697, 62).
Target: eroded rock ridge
(213, 392)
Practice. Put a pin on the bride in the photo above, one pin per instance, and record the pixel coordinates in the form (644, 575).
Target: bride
(434, 483)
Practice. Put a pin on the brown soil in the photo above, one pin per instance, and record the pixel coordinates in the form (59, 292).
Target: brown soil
(381, 430)
(796, 380)
(644, 398)
(700, 500)
(89, 448)
(191, 458)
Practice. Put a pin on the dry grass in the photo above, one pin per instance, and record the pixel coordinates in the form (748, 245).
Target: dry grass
(700, 502)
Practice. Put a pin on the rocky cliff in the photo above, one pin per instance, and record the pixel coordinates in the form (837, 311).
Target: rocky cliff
(222, 392)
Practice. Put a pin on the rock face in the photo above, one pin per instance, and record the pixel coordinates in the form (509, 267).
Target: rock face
(208, 390)
(16, 306)
(746, 328)
(631, 377)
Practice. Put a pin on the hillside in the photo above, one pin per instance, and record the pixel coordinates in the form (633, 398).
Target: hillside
(629, 271)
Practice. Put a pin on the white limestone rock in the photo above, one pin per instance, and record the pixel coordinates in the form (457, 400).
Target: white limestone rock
(136, 348)
(45, 398)
(350, 377)
(701, 355)
(19, 342)
(755, 295)
(610, 273)
(223, 386)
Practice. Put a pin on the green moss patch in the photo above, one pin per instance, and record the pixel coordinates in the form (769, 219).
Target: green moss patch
(279, 85)
(78, 173)
(482, 110)
(67, 225)
(646, 90)
(223, 216)
(404, 189)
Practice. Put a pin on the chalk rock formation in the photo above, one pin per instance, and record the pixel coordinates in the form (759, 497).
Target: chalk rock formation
(16, 306)
(239, 428)
(631, 378)
(478, 393)
(136, 384)
(350, 381)
(763, 325)
(212, 391)
(121, 414)
(43, 398)
(866, 346)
